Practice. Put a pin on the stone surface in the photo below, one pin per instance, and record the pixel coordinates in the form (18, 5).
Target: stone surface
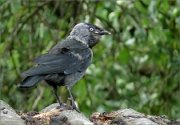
(56, 106)
(64, 115)
(71, 117)
(55, 115)
(50, 107)
(75, 118)
(128, 117)
(8, 116)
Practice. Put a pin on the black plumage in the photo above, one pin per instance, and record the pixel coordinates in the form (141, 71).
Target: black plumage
(63, 58)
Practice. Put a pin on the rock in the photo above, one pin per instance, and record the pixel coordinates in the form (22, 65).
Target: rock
(64, 115)
(55, 106)
(53, 115)
(127, 117)
(8, 116)
(75, 118)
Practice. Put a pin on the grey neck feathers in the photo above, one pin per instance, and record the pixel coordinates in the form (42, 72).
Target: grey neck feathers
(79, 38)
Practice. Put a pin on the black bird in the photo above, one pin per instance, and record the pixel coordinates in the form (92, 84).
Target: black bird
(67, 61)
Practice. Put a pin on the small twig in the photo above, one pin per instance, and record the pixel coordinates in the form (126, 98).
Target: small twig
(38, 98)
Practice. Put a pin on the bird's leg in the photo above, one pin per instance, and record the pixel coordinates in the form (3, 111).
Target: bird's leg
(72, 100)
(57, 97)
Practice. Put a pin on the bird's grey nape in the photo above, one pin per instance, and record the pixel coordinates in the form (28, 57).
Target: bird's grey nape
(81, 33)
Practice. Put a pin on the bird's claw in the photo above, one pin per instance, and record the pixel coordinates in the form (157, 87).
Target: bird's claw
(74, 107)
(61, 106)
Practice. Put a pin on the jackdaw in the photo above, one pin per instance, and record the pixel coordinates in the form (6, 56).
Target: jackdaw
(66, 62)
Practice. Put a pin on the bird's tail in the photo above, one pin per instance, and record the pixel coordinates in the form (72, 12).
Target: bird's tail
(30, 81)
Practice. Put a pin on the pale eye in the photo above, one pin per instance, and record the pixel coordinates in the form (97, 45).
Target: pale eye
(91, 29)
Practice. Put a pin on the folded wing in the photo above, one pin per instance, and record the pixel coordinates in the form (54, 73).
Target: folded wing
(66, 62)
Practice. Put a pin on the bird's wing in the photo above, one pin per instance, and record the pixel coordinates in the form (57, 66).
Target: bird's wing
(63, 59)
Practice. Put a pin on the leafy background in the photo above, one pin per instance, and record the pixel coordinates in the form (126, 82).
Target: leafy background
(137, 67)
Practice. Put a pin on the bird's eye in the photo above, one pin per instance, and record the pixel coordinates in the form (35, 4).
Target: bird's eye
(91, 29)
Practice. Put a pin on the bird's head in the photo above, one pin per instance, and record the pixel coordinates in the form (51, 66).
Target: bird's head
(89, 33)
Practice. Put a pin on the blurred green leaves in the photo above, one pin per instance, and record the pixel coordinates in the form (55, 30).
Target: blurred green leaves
(136, 67)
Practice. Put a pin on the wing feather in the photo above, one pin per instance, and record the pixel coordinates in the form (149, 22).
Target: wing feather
(72, 61)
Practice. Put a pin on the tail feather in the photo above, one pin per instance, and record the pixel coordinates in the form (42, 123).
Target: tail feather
(30, 81)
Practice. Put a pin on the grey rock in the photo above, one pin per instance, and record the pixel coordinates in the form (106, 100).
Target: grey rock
(8, 116)
(65, 116)
(49, 108)
(75, 118)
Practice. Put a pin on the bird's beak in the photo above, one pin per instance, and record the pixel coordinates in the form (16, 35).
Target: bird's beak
(104, 32)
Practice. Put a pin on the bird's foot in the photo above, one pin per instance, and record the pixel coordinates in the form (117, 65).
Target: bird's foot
(74, 107)
(62, 106)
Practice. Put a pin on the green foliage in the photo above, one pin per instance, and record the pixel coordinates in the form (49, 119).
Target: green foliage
(136, 67)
